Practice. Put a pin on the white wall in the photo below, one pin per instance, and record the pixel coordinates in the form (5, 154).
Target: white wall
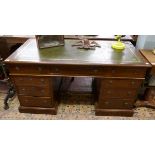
(146, 42)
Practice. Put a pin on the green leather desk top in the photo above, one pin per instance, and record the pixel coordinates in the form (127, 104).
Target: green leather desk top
(29, 53)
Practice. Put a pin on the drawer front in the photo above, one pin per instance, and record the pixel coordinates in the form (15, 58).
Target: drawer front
(32, 81)
(124, 72)
(115, 104)
(118, 93)
(34, 91)
(121, 83)
(99, 71)
(29, 69)
(75, 70)
(29, 101)
(56, 70)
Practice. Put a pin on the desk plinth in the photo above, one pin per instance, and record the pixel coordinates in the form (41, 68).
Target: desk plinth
(118, 76)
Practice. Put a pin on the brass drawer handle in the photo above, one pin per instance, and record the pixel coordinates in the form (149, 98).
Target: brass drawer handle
(109, 92)
(126, 103)
(106, 103)
(133, 82)
(42, 80)
(56, 70)
(110, 81)
(23, 89)
(39, 68)
(113, 71)
(95, 70)
(17, 68)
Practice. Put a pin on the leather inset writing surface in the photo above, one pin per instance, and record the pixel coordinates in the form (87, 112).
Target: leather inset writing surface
(71, 55)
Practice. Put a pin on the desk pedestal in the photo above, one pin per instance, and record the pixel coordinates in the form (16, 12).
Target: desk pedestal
(116, 96)
(37, 94)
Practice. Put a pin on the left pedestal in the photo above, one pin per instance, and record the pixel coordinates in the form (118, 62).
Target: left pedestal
(36, 94)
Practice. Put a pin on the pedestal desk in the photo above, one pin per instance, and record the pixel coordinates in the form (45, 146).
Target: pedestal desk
(118, 75)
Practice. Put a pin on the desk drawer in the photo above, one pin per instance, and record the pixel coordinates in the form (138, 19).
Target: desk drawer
(115, 104)
(29, 69)
(105, 71)
(78, 70)
(32, 81)
(121, 83)
(124, 72)
(34, 90)
(118, 93)
(29, 101)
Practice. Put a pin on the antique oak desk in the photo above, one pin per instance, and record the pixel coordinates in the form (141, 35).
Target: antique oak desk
(36, 73)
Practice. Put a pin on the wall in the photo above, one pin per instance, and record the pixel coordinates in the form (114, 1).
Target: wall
(146, 42)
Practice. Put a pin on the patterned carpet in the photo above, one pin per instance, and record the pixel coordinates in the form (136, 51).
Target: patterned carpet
(72, 107)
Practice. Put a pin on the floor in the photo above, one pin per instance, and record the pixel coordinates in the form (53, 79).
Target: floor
(72, 107)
